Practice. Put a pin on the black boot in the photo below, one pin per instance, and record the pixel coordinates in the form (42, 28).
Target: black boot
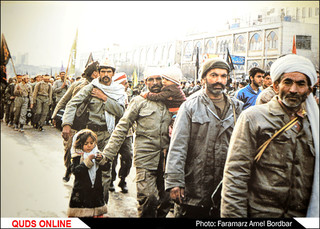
(66, 177)
(123, 185)
(111, 188)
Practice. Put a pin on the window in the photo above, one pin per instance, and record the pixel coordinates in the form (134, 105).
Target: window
(303, 42)
(255, 42)
(240, 43)
(209, 47)
(272, 40)
(188, 51)
(198, 45)
(317, 11)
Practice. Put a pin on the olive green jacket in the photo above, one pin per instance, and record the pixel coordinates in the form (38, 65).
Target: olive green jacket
(279, 184)
(152, 134)
(96, 108)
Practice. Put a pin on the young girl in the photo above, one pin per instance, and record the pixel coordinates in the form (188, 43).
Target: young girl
(87, 164)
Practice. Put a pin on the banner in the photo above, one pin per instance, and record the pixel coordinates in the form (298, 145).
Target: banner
(134, 79)
(4, 58)
(73, 56)
(238, 60)
(229, 60)
(90, 60)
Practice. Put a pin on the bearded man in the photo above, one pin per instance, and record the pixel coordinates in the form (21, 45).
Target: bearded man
(106, 107)
(281, 178)
(249, 94)
(199, 143)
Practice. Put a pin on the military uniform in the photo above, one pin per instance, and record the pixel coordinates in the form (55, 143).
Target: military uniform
(152, 137)
(9, 97)
(58, 91)
(96, 121)
(23, 93)
(43, 96)
(61, 105)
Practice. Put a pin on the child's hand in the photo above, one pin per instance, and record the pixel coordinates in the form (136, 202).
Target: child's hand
(144, 94)
(91, 156)
(99, 157)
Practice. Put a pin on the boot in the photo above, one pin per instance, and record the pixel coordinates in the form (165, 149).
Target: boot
(123, 185)
(66, 177)
(21, 128)
(111, 188)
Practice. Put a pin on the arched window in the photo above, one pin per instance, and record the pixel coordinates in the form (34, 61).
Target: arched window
(198, 45)
(272, 40)
(209, 47)
(256, 42)
(143, 56)
(253, 64)
(269, 65)
(150, 56)
(157, 56)
(171, 56)
(187, 54)
(240, 44)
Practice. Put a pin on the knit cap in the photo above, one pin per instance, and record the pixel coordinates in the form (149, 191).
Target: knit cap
(172, 73)
(212, 63)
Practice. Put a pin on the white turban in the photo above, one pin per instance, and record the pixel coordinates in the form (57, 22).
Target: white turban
(151, 71)
(295, 63)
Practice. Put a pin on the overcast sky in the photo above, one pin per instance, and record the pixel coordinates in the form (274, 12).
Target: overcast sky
(46, 30)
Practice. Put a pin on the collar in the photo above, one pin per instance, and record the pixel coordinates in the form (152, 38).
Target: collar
(276, 108)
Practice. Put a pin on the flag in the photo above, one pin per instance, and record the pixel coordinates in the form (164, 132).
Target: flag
(134, 79)
(5, 53)
(294, 48)
(197, 65)
(90, 60)
(229, 60)
(4, 59)
(73, 55)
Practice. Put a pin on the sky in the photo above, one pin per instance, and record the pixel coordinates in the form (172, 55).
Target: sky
(46, 29)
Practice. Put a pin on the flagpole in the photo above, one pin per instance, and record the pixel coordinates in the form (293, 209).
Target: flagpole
(64, 80)
(13, 67)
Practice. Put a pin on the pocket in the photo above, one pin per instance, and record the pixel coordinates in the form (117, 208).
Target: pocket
(146, 113)
(141, 176)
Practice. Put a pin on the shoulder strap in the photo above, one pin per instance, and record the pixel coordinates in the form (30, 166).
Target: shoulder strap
(288, 126)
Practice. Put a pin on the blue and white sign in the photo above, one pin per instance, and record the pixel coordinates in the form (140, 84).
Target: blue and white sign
(239, 60)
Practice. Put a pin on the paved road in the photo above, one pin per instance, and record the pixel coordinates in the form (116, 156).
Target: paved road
(31, 177)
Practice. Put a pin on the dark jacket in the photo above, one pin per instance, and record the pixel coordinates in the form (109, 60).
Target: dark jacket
(198, 148)
(173, 91)
(86, 200)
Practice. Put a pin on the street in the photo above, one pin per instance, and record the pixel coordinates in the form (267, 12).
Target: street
(31, 177)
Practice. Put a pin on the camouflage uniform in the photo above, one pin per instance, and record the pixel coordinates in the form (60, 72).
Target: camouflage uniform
(43, 96)
(23, 93)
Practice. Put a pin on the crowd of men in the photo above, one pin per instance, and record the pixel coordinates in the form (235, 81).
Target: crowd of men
(241, 149)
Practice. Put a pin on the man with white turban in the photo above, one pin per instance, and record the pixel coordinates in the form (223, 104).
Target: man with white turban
(281, 178)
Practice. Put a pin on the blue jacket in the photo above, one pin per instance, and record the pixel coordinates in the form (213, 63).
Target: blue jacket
(248, 96)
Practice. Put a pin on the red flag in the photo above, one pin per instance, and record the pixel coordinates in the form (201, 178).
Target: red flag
(294, 48)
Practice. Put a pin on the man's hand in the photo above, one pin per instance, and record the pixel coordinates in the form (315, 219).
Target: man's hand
(99, 157)
(31, 106)
(99, 94)
(176, 194)
(66, 132)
